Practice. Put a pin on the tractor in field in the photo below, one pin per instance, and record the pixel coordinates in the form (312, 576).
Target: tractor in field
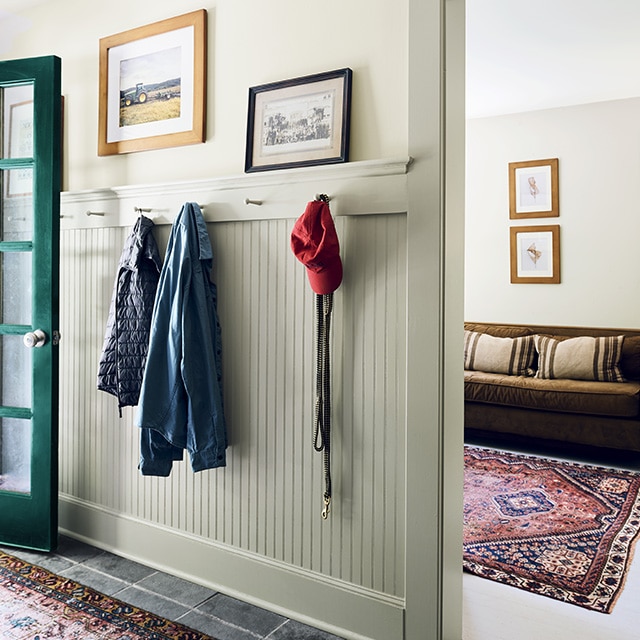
(139, 95)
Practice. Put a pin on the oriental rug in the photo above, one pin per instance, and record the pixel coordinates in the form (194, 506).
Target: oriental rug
(36, 604)
(559, 529)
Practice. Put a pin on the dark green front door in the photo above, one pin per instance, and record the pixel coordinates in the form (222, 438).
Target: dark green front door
(30, 102)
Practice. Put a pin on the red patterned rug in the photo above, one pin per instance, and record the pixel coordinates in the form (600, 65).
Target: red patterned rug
(36, 604)
(560, 529)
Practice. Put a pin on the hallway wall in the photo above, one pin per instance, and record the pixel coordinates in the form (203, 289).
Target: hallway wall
(254, 529)
(597, 148)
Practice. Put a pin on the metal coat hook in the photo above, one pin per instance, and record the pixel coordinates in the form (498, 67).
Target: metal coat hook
(249, 201)
(323, 196)
(141, 210)
(94, 213)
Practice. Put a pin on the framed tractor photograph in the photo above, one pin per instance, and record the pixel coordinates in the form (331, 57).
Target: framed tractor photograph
(153, 86)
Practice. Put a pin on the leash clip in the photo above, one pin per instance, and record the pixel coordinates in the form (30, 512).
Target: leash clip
(326, 510)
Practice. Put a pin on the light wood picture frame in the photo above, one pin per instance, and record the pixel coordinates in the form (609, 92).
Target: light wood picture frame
(153, 86)
(533, 189)
(535, 254)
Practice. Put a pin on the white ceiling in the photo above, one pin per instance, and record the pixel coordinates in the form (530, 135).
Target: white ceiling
(524, 55)
(537, 54)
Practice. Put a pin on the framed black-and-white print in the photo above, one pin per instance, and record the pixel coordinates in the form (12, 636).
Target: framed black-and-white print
(299, 122)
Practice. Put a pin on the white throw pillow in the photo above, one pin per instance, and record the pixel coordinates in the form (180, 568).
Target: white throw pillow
(582, 358)
(512, 356)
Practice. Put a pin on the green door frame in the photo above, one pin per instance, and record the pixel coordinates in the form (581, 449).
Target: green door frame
(31, 519)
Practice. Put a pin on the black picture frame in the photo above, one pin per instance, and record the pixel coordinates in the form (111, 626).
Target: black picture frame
(300, 122)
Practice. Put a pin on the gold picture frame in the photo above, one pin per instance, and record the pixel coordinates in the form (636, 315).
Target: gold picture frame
(153, 86)
(533, 189)
(535, 254)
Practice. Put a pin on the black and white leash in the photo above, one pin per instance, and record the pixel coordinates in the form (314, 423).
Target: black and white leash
(322, 419)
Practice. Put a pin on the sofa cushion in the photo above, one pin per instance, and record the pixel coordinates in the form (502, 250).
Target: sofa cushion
(582, 358)
(513, 356)
(630, 359)
(616, 399)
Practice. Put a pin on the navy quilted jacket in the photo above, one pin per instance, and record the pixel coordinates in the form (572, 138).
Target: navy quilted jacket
(126, 339)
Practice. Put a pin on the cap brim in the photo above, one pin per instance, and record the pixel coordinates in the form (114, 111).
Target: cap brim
(326, 280)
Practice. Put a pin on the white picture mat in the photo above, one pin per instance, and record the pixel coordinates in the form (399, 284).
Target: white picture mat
(534, 254)
(183, 38)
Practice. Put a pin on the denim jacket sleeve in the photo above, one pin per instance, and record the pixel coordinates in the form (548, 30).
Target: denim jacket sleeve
(181, 404)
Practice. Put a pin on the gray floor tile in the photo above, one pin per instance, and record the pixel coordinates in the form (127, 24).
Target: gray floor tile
(244, 615)
(119, 567)
(293, 630)
(183, 591)
(94, 579)
(75, 550)
(193, 605)
(53, 563)
(152, 602)
(216, 628)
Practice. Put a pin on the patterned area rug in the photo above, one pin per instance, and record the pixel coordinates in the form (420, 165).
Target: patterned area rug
(559, 529)
(36, 604)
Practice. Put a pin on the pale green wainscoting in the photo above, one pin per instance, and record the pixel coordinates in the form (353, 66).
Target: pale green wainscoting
(254, 529)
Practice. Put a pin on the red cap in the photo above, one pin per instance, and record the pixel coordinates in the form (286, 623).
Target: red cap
(314, 242)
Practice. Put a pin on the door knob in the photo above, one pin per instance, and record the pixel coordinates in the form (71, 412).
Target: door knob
(35, 338)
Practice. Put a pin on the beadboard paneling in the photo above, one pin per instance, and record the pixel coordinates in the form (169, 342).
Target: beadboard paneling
(268, 499)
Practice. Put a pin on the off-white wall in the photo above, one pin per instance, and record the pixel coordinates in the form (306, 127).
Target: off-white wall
(599, 164)
(251, 42)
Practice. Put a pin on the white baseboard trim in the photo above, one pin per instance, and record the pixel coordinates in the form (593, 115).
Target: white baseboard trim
(335, 606)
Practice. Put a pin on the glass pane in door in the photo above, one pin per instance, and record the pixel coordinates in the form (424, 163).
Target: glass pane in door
(15, 279)
(17, 204)
(18, 121)
(15, 455)
(16, 372)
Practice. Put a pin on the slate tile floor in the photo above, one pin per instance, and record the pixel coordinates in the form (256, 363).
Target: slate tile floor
(200, 608)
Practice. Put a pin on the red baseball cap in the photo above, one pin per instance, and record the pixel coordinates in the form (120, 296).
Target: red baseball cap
(314, 242)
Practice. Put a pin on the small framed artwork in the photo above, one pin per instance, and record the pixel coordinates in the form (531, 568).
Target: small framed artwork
(535, 254)
(299, 122)
(153, 86)
(533, 189)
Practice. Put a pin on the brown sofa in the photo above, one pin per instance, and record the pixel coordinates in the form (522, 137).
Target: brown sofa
(581, 412)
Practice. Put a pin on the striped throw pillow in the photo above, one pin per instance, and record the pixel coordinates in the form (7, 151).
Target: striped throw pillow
(582, 358)
(512, 356)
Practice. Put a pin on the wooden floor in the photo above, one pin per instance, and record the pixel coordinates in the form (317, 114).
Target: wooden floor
(493, 611)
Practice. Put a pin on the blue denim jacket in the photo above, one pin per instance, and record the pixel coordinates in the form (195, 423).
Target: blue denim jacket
(180, 403)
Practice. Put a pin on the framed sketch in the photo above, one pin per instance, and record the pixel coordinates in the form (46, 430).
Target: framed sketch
(299, 122)
(153, 86)
(535, 254)
(533, 189)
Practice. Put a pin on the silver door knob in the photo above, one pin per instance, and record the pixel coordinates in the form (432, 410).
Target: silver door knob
(35, 338)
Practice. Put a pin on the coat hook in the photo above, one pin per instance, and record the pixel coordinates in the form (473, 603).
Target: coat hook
(323, 196)
(249, 201)
(94, 213)
(141, 210)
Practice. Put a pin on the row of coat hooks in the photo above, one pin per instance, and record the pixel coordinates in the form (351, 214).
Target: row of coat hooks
(319, 196)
